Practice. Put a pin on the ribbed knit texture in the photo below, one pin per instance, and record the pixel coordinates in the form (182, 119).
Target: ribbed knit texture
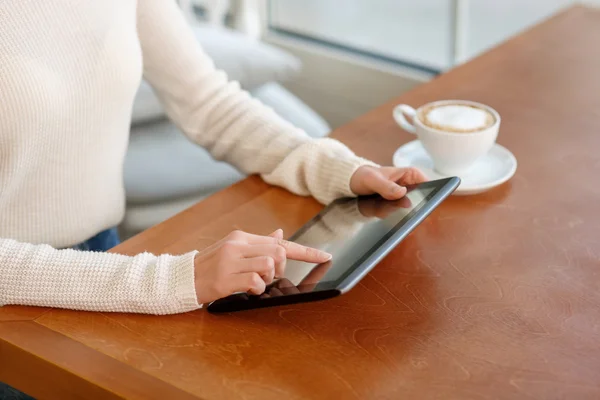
(69, 71)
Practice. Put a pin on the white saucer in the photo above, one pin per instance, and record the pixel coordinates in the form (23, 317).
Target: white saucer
(497, 167)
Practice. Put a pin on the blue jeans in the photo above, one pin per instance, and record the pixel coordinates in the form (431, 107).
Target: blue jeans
(101, 242)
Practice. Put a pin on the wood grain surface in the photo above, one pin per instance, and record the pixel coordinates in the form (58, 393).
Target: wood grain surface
(495, 296)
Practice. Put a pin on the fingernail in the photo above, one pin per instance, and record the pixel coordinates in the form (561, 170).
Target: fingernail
(277, 234)
(397, 189)
(326, 256)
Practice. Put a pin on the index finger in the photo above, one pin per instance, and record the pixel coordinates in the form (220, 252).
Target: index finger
(294, 251)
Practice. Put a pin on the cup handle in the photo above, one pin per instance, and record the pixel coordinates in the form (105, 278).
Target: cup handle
(400, 113)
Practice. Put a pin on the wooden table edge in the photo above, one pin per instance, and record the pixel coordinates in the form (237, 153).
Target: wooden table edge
(75, 369)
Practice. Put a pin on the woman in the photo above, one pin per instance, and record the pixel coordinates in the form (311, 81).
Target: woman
(68, 75)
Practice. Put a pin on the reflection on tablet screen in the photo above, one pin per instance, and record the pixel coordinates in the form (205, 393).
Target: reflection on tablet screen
(348, 230)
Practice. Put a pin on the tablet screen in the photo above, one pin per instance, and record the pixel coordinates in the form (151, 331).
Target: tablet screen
(351, 230)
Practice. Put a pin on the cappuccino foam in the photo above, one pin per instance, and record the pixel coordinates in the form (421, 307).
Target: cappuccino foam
(459, 118)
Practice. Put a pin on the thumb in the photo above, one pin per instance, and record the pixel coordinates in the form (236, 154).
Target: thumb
(278, 234)
(387, 188)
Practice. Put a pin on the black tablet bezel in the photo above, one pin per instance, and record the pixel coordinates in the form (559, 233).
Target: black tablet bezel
(362, 266)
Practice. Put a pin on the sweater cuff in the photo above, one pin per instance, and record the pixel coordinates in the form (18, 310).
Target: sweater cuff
(185, 287)
(342, 170)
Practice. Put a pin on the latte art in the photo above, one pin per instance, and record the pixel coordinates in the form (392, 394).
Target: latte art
(458, 118)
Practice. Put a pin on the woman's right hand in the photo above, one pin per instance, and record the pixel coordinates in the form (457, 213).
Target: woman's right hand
(242, 262)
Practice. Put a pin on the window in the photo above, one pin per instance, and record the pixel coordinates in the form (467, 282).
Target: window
(391, 29)
(430, 35)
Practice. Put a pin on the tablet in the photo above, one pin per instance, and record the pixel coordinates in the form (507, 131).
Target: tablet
(358, 232)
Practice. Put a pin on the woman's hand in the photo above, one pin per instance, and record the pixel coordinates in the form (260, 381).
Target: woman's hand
(389, 182)
(242, 262)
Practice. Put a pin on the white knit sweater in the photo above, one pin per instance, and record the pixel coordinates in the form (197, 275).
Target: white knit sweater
(69, 71)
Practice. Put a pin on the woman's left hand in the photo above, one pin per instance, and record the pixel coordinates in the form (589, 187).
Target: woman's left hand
(389, 182)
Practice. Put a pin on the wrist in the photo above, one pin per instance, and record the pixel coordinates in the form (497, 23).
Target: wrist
(347, 169)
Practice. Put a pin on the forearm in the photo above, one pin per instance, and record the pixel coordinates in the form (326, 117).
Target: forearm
(224, 119)
(39, 275)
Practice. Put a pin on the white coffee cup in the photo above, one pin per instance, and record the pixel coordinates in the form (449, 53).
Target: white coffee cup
(453, 153)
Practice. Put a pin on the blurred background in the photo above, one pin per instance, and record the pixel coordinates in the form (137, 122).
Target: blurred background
(414, 39)
(319, 64)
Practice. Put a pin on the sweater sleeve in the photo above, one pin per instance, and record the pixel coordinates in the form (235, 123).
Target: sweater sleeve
(39, 275)
(224, 119)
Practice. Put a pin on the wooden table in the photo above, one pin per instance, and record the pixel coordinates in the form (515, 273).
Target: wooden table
(495, 296)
